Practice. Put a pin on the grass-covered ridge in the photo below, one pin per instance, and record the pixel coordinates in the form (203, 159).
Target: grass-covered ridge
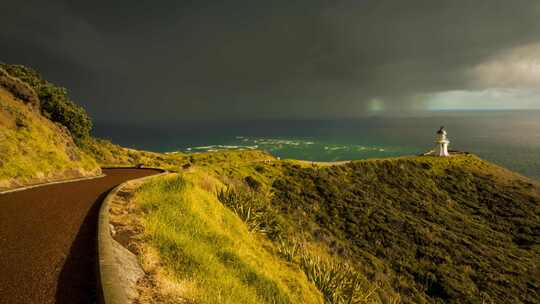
(408, 230)
(458, 230)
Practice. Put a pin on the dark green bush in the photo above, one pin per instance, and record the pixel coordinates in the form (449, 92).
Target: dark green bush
(19, 88)
(442, 235)
(252, 183)
(56, 105)
(54, 101)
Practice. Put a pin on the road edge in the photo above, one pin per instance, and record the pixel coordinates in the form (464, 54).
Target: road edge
(116, 264)
(62, 181)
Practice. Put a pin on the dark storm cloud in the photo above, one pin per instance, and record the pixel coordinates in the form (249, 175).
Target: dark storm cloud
(245, 59)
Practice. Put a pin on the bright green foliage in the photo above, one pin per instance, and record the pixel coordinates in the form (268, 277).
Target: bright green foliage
(108, 154)
(452, 230)
(33, 149)
(208, 252)
(338, 282)
(55, 103)
(253, 208)
(433, 230)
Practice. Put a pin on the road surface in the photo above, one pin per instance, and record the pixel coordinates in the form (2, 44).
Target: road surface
(48, 240)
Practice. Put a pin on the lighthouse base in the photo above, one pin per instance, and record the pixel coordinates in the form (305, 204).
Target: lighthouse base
(441, 149)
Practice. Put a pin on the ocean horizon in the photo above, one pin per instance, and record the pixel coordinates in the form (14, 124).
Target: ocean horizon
(507, 138)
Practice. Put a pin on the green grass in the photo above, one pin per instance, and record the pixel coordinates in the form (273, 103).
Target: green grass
(204, 245)
(33, 149)
(337, 281)
(108, 154)
(453, 230)
(456, 230)
(252, 207)
(53, 101)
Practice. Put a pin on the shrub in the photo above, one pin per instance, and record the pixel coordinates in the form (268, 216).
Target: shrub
(56, 105)
(252, 208)
(252, 183)
(288, 250)
(54, 101)
(19, 88)
(339, 283)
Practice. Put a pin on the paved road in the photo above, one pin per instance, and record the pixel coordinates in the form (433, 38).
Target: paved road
(48, 240)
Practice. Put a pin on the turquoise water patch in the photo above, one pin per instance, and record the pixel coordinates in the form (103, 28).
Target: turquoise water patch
(301, 148)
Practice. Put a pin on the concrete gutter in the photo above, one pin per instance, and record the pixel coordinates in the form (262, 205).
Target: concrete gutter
(63, 181)
(119, 269)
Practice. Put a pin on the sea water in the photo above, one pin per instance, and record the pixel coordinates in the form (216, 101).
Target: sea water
(508, 138)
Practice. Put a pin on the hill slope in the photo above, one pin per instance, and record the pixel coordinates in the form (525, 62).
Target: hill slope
(46, 136)
(198, 250)
(413, 229)
(33, 149)
(435, 230)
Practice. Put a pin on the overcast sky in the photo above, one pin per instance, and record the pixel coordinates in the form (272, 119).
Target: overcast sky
(178, 60)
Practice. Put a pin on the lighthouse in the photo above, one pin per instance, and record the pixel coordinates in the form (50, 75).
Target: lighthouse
(441, 149)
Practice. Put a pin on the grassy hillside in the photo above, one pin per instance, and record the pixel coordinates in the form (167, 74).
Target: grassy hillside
(208, 253)
(52, 100)
(409, 230)
(45, 136)
(452, 230)
(108, 154)
(33, 149)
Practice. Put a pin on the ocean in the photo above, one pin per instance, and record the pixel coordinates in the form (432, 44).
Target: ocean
(508, 138)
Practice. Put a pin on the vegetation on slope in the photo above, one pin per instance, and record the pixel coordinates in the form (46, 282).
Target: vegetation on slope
(208, 254)
(108, 154)
(188, 222)
(19, 89)
(436, 230)
(409, 230)
(45, 136)
(55, 103)
(336, 279)
(34, 149)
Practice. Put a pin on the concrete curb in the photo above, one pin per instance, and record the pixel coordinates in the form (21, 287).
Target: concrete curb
(118, 268)
(63, 181)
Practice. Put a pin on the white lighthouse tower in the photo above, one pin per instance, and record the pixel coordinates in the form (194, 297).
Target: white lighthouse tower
(441, 149)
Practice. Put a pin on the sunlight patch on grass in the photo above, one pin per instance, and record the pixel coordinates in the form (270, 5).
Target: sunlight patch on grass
(33, 148)
(201, 242)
